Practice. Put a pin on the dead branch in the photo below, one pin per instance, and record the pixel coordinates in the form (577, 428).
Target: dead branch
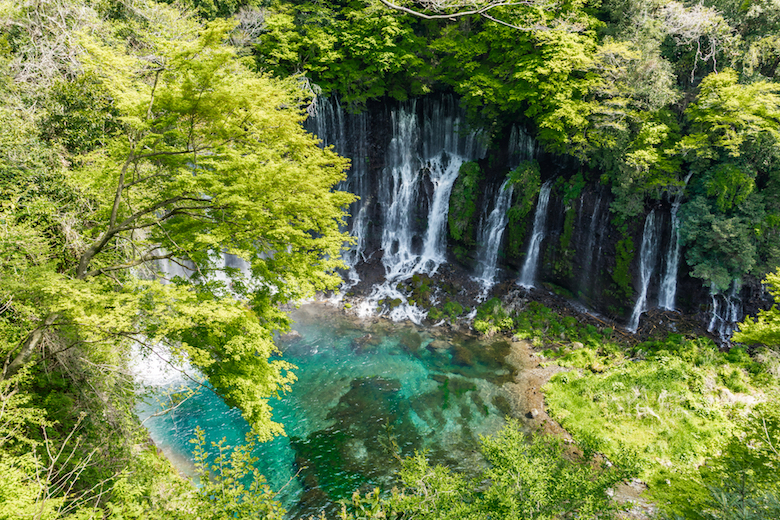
(438, 6)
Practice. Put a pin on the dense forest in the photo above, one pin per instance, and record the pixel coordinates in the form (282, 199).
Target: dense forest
(137, 134)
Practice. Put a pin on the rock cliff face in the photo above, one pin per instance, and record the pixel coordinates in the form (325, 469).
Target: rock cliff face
(437, 196)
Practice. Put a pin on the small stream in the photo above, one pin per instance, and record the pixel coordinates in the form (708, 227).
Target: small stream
(364, 390)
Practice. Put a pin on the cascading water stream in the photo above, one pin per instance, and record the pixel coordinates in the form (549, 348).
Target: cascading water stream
(648, 258)
(726, 312)
(427, 149)
(591, 243)
(668, 289)
(399, 194)
(327, 122)
(442, 175)
(489, 238)
(522, 147)
(360, 186)
(531, 264)
(348, 134)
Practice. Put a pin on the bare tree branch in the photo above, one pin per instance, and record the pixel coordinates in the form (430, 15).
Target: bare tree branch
(451, 16)
(127, 265)
(193, 393)
(481, 11)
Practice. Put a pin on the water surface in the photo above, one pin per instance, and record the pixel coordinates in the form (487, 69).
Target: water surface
(366, 394)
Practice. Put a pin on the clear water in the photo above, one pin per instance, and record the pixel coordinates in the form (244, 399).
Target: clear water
(531, 264)
(489, 238)
(360, 390)
(648, 259)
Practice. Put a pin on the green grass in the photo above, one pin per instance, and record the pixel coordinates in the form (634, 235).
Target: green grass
(673, 402)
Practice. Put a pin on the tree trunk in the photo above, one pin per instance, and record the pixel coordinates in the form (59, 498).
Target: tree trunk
(27, 348)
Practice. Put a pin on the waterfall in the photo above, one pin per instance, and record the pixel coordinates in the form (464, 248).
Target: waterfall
(434, 150)
(522, 147)
(726, 312)
(327, 122)
(591, 243)
(489, 237)
(531, 264)
(589, 246)
(399, 193)
(427, 148)
(668, 290)
(348, 134)
(358, 183)
(648, 258)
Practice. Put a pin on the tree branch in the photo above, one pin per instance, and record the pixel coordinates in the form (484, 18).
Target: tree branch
(138, 261)
(127, 224)
(172, 408)
(452, 16)
(28, 347)
(482, 11)
(144, 179)
(120, 187)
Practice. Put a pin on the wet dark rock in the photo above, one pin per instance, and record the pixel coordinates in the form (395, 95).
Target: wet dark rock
(465, 413)
(439, 378)
(494, 354)
(438, 344)
(479, 403)
(460, 387)
(381, 384)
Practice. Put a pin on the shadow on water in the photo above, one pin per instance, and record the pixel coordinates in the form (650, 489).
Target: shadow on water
(366, 396)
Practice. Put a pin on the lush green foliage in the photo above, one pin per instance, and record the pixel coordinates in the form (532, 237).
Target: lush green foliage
(526, 180)
(742, 481)
(359, 50)
(729, 226)
(765, 328)
(258, 177)
(491, 317)
(463, 203)
(674, 403)
(133, 136)
(525, 479)
(211, 9)
(624, 255)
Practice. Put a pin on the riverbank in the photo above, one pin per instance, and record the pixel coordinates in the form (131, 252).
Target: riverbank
(702, 399)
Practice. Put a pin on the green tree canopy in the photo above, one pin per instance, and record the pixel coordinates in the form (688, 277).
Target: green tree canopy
(730, 223)
(207, 157)
(765, 327)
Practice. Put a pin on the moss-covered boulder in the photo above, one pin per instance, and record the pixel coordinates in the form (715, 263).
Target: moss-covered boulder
(463, 204)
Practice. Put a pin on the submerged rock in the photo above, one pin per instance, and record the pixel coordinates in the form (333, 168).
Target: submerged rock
(462, 356)
(411, 341)
(364, 344)
(290, 337)
(503, 404)
(439, 344)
